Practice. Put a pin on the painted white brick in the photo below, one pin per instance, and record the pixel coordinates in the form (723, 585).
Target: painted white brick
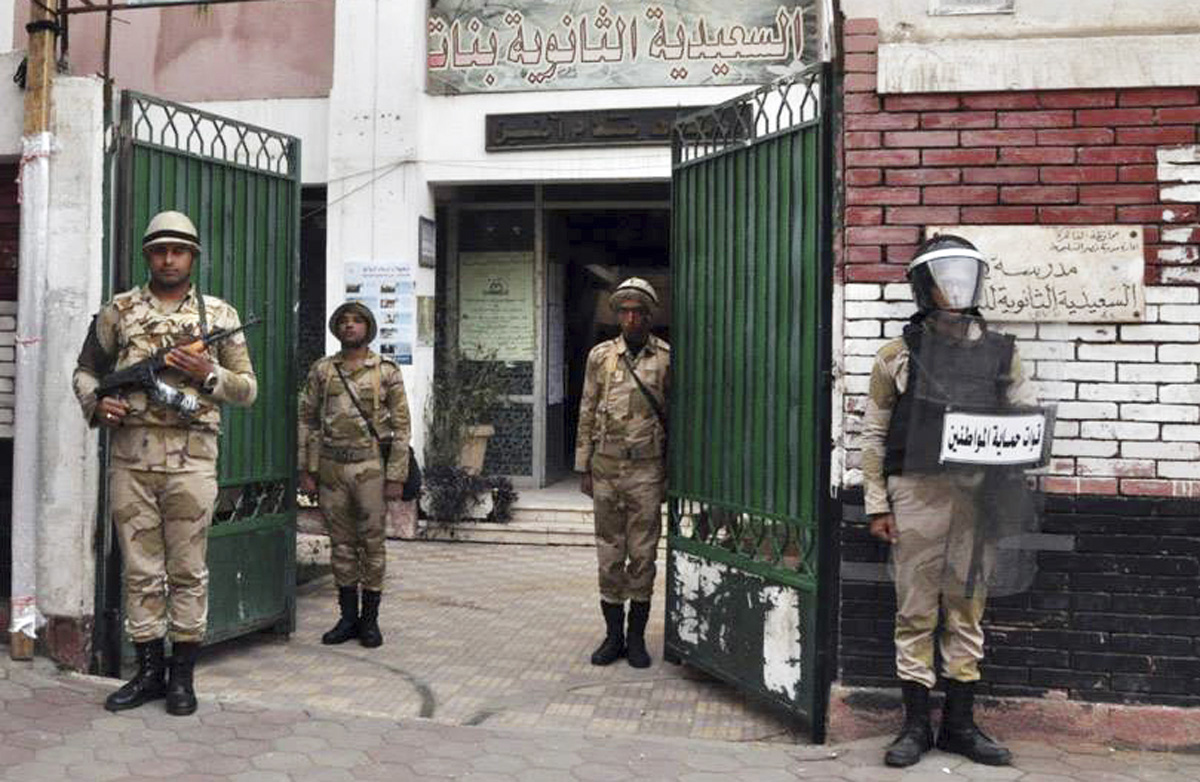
(1061, 332)
(1054, 351)
(1179, 313)
(1176, 414)
(8, 370)
(1180, 254)
(8, 338)
(1181, 235)
(855, 405)
(862, 347)
(1172, 294)
(1066, 428)
(6, 416)
(861, 291)
(1181, 432)
(1156, 373)
(1179, 470)
(1160, 333)
(1076, 370)
(1120, 392)
(6, 385)
(1160, 451)
(8, 354)
(897, 291)
(854, 460)
(1102, 448)
(1187, 194)
(1150, 313)
(1181, 274)
(8, 323)
(856, 384)
(8, 308)
(1060, 465)
(894, 328)
(1179, 164)
(1048, 390)
(877, 310)
(1183, 394)
(1119, 430)
(1104, 411)
(1179, 353)
(1018, 330)
(859, 365)
(1126, 468)
(1089, 352)
(863, 328)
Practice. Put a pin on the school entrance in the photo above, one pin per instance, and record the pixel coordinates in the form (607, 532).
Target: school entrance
(525, 283)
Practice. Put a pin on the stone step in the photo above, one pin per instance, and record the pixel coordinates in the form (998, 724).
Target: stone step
(522, 530)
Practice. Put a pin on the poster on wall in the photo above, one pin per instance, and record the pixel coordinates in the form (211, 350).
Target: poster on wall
(1059, 273)
(389, 290)
(496, 312)
(485, 46)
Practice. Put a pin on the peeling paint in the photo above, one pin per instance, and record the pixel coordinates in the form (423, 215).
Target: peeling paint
(695, 581)
(782, 670)
(1182, 193)
(1180, 235)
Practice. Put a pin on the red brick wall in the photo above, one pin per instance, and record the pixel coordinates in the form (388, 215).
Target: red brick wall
(9, 225)
(1043, 157)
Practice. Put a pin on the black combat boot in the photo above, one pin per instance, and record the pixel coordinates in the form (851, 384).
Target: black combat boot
(959, 733)
(368, 624)
(613, 647)
(148, 684)
(916, 737)
(347, 626)
(181, 698)
(635, 638)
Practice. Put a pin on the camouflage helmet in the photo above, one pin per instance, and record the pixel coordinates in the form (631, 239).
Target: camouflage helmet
(636, 289)
(358, 308)
(171, 228)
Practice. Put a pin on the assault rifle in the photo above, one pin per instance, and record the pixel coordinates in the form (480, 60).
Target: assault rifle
(144, 374)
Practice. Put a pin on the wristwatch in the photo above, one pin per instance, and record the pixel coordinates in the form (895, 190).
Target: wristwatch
(210, 383)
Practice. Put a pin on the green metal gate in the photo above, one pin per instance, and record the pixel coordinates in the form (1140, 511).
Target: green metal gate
(746, 595)
(241, 186)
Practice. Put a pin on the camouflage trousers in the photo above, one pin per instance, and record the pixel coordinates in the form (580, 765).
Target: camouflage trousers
(162, 521)
(627, 497)
(935, 521)
(351, 499)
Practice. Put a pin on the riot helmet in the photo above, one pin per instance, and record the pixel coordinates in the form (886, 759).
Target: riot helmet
(946, 273)
(171, 228)
(635, 289)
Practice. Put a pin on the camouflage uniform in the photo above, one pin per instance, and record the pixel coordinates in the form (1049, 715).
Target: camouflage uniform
(935, 522)
(622, 443)
(163, 470)
(335, 444)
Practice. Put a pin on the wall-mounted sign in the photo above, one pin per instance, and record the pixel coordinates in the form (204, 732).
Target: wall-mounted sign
(495, 305)
(1071, 273)
(484, 46)
(389, 291)
(426, 242)
(599, 128)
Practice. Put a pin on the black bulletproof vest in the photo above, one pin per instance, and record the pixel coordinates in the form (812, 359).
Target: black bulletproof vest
(943, 373)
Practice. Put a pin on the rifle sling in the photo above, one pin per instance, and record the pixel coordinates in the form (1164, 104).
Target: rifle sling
(658, 411)
(358, 407)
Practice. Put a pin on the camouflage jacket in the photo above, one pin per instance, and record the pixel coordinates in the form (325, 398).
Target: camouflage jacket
(889, 378)
(329, 421)
(615, 418)
(130, 328)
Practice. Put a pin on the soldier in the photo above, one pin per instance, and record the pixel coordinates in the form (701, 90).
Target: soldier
(163, 471)
(930, 514)
(354, 432)
(620, 450)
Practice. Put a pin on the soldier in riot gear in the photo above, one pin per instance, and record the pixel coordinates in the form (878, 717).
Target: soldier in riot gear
(621, 453)
(163, 471)
(936, 515)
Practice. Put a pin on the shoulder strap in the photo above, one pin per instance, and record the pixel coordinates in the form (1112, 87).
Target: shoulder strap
(357, 406)
(654, 403)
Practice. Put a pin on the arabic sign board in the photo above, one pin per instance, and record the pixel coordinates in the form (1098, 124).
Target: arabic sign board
(1068, 273)
(996, 439)
(496, 305)
(599, 128)
(483, 46)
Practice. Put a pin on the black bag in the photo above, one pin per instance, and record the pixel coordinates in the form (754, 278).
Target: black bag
(412, 484)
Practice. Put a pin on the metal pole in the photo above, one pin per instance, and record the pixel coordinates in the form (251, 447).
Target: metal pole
(37, 145)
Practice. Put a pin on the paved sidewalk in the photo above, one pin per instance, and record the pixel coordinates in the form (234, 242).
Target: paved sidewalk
(52, 727)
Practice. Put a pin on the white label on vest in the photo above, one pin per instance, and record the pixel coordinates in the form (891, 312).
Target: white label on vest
(993, 438)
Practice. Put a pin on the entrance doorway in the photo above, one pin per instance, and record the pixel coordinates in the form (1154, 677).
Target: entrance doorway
(595, 249)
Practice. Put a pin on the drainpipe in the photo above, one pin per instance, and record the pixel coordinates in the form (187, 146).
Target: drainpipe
(36, 147)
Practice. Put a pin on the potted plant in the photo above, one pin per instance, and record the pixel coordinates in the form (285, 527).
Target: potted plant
(457, 416)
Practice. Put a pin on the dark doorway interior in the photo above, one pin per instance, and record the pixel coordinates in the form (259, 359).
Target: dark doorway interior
(311, 337)
(10, 222)
(597, 248)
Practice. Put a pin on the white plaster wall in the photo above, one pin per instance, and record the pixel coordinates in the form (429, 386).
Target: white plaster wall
(909, 20)
(69, 471)
(7, 10)
(305, 118)
(12, 101)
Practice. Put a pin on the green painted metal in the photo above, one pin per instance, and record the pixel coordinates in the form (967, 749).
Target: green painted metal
(241, 186)
(746, 463)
